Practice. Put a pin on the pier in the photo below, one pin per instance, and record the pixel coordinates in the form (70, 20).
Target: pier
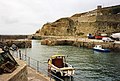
(24, 73)
(19, 43)
(82, 42)
(33, 75)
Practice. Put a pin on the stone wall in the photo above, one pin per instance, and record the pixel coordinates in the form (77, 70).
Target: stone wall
(82, 43)
(108, 18)
(13, 37)
(108, 27)
(18, 43)
(83, 28)
(87, 19)
(19, 74)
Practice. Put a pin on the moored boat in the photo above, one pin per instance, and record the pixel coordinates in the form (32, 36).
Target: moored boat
(100, 49)
(57, 64)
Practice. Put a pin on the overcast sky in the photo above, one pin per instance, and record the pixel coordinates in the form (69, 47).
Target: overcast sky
(27, 16)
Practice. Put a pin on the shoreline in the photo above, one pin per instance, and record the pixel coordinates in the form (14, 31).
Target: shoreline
(82, 42)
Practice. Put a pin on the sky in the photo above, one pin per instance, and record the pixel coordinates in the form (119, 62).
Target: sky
(27, 16)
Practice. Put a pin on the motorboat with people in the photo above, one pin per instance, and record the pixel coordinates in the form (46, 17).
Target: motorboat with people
(57, 64)
(100, 49)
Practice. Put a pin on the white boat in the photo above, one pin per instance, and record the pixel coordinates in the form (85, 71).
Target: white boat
(116, 36)
(57, 64)
(100, 49)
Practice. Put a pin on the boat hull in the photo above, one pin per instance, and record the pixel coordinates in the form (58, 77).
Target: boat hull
(101, 50)
(65, 71)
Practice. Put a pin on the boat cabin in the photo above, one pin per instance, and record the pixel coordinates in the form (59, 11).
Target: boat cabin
(100, 49)
(57, 64)
(58, 60)
(98, 46)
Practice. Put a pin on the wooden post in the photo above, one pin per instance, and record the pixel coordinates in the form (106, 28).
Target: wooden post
(38, 66)
(28, 61)
(20, 54)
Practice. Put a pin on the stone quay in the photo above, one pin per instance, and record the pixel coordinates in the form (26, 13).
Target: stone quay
(19, 43)
(82, 42)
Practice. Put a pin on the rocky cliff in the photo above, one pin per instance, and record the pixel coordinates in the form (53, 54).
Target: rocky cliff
(100, 20)
(63, 26)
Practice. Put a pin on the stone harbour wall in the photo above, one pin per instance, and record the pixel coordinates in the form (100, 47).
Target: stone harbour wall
(19, 74)
(81, 43)
(18, 43)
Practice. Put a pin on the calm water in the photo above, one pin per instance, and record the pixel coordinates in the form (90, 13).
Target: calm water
(89, 65)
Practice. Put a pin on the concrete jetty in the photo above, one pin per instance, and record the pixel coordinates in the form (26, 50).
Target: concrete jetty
(24, 73)
(33, 75)
(19, 74)
(82, 42)
(19, 43)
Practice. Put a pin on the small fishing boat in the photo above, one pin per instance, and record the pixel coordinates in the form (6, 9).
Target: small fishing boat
(100, 49)
(57, 65)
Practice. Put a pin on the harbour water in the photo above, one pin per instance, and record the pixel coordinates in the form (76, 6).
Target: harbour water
(89, 65)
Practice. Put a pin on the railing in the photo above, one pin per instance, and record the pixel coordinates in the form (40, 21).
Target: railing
(31, 62)
(37, 65)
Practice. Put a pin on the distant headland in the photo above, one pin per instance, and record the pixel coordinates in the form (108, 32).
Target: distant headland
(101, 20)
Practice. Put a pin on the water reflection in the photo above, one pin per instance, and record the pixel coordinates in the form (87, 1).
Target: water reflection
(89, 65)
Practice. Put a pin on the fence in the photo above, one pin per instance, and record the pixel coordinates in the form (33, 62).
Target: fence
(31, 62)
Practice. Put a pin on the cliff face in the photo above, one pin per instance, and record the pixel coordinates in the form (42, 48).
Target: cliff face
(100, 20)
(63, 26)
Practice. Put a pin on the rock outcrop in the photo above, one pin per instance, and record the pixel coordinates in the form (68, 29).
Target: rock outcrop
(100, 20)
(63, 26)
